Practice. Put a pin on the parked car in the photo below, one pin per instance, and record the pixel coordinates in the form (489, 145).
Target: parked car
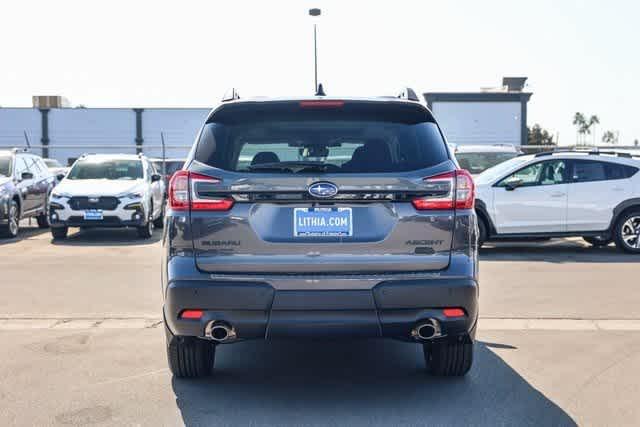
(106, 190)
(170, 167)
(562, 194)
(320, 217)
(478, 158)
(25, 186)
(56, 168)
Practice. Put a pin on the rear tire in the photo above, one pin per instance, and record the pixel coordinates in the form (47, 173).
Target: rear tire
(13, 222)
(191, 357)
(59, 233)
(482, 232)
(449, 359)
(627, 232)
(598, 241)
(43, 218)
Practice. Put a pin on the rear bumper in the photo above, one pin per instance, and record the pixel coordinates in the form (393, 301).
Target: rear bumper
(256, 310)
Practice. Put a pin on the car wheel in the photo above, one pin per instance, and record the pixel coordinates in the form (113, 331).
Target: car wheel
(482, 233)
(43, 218)
(191, 357)
(598, 241)
(449, 358)
(146, 231)
(159, 222)
(12, 227)
(59, 233)
(627, 232)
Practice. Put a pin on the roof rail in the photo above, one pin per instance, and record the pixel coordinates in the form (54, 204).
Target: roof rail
(408, 94)
(231, 95)
(590, 152)
(20, 150)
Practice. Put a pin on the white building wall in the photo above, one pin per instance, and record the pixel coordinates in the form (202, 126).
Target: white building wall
(14, 122)
(179, 126)
(75, 131)
(479, 122)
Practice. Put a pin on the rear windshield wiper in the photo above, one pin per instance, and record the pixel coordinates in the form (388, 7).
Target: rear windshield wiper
(283, 166)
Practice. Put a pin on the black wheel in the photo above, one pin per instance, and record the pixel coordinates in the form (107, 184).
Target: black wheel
(12, 227)
(598, 241)
(59, 233)
(146, 231)
(449, 358)
(159, 222)
(482, 233)
(627, 232)
(191, 357)
(43, 218)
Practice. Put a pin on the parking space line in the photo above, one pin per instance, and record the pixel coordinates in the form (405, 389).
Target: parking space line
(485, 323)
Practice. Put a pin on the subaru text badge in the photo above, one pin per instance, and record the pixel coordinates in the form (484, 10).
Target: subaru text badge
(323, 190)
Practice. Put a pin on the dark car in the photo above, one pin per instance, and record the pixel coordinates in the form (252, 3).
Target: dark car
(25, 186)
(320, 218)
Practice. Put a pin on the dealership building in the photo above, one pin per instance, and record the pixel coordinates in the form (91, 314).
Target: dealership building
(489, 116)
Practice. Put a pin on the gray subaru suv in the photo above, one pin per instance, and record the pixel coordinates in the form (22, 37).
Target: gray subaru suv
(320, 218)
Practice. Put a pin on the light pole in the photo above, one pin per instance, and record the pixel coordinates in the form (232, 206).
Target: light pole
(315, 12)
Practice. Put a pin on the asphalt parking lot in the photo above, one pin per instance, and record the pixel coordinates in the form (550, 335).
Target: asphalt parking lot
(82, 344)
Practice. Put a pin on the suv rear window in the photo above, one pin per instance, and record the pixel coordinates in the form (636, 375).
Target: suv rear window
(291, 139)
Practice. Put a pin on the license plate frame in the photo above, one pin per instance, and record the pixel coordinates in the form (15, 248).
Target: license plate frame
(322, 222)
(93, 215)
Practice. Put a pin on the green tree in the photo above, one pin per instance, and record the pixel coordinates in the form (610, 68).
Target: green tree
(539, 136)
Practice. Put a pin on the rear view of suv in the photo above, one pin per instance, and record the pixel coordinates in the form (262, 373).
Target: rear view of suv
(315, 218)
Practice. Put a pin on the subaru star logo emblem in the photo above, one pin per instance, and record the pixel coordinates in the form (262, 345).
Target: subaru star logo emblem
(323, 189)
(93, 200)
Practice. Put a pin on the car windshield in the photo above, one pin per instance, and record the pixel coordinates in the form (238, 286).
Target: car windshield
(5, 166)
(171, 165)
(479, 162)
(354, 141)
(497, 171)
(52, 163)
(106, 169)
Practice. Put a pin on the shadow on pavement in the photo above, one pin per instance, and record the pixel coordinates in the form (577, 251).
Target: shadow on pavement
(26, 232)
(375, 382)
(106, 237)
(555, 251)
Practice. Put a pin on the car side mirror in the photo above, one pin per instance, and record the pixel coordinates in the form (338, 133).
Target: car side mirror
(60, 176)
(512, 185)
(26, 175)
(155, 177)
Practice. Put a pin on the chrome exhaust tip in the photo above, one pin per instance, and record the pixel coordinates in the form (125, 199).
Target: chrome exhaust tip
(427, 330)
(219, 331)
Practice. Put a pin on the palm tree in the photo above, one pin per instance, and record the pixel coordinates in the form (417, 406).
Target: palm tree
(584, 127)
(580, 122)
(609, 137)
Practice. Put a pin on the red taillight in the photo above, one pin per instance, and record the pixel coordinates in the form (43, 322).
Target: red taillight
(321, 103)
(453, 312)
(179, 191)
(191, 314)
(458, 192)
(182, 194)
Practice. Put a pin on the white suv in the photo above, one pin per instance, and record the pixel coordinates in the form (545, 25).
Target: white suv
(562, 194)
(106, 190)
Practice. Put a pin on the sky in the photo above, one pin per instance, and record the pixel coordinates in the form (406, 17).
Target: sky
(578, 55)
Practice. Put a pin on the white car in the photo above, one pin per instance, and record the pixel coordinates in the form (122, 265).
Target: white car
(562, 194)
(106, 190)
(56, 168)
(478, 158)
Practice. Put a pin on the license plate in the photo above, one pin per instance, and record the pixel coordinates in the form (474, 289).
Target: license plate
(93, 215)
(322, 222)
